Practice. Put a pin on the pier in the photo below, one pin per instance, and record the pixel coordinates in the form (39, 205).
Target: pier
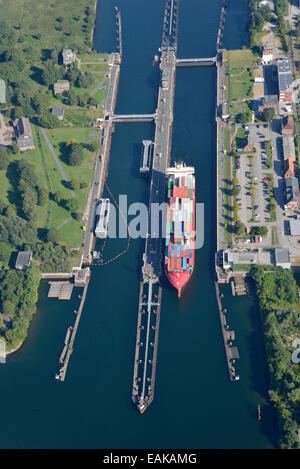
(70, 338)
(196, 62)
(147, 157)
(231, 351)
(150, 289)
(133, 118)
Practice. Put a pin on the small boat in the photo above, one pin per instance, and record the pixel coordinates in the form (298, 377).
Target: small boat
(258, 413)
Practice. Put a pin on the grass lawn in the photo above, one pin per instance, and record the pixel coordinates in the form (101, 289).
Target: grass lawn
(101, 67)
(269, 160)
(240, 85)
(93, 57)
(52, 215)
(240, 58)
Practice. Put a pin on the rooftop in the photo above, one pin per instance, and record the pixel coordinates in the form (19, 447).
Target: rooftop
(23, 259)
(282, 256)
(295, 227)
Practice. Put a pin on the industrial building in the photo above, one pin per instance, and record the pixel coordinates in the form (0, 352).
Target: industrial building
(282, 258)
(288, 147)
(285, 80)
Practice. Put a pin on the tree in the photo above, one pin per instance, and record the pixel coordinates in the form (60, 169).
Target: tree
(72, 98)
(239, 228)
(82, 100)
(75, 154)
(49, 121)
(243, 117)
(43, 195)
(94, 146)
(74, 184)
(4, 160)
(10, 211)
(84, 80)
(41, 103)
(72, 205)
(235, 190)
(8, 308)
(15, 148)
(53, 236)
(58, 197)
(268, 114)
(4, 252)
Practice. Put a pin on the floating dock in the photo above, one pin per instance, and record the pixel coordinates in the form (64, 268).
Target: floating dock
(60, 290)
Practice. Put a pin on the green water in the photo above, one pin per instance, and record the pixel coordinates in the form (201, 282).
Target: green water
(195, 404)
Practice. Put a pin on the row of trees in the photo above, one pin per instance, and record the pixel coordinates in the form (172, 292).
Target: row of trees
(259, 14)
(279, 306)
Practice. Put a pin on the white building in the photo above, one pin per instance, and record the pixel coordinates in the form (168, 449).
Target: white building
(68, 56)
(267, 54)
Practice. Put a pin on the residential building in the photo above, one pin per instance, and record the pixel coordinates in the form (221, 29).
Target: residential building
(58, 111)
(292, 193)
(285, 80)
(289, 171)
(287, 126)
(24, 134)
(23, 260)
(61, 87)
(68, 56)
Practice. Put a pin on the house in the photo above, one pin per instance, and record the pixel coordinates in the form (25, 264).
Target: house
(287, 126)
(288, 147)
(23, 260)
(2, 92)
(61, 87)
(24, 134)
(68, 56)
(285, 80)
(288, 165)
(58, 111)
(292, 193)
(267, 54)
(282, 258)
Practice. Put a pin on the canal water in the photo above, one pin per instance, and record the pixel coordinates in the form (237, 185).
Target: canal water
(195, 404)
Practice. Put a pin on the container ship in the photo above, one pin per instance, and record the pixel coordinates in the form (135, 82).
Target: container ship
(180, 228)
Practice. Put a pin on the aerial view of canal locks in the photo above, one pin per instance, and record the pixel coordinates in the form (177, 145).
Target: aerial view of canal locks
(135, 327)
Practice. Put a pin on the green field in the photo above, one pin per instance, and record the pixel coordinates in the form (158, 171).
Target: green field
(240, 85)
(52, 215)
(240, 58)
